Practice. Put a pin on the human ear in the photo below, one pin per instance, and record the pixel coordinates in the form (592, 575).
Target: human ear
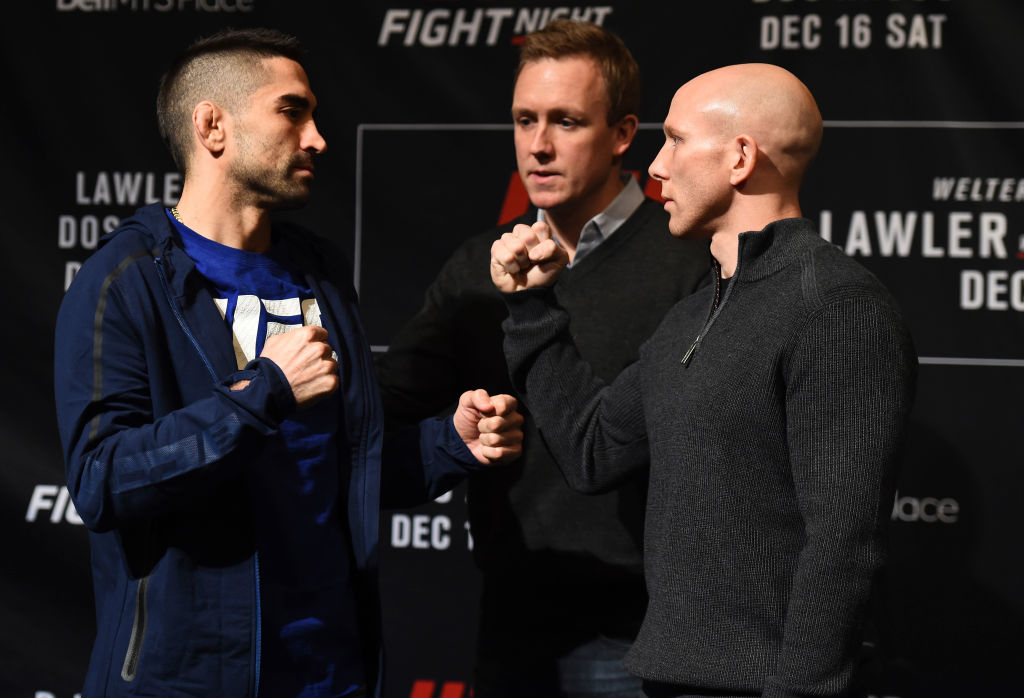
(625, 130)
(744, 159)
(208, 120)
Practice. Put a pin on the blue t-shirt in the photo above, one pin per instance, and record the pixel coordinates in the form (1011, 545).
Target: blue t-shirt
(309, 634)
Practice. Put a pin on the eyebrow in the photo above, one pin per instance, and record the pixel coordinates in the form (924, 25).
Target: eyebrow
(555, 113)
(294, 101)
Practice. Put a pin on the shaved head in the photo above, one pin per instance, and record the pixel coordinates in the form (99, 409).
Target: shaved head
(225, 69)
(738, 142)
(766, 102)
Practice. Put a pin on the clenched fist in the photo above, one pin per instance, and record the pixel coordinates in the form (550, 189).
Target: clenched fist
(307, 361)
(528, 257)
(491, 427)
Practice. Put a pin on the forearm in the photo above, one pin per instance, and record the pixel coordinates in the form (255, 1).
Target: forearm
(595, 431)
(423, 462)
(124, 464)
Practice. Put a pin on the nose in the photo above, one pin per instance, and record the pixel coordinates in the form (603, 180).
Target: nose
(312, 140)
(541, 146)
(657, 169)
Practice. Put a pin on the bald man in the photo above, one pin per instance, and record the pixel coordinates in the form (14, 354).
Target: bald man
(772, 406)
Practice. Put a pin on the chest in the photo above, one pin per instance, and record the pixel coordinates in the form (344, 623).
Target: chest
(715, 383)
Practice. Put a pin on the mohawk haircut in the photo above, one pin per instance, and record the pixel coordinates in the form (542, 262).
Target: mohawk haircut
(224, 68)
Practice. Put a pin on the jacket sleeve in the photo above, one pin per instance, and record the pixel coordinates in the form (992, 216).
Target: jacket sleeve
(849, 389)
(423, 462)
(596, 431)
(126, 457)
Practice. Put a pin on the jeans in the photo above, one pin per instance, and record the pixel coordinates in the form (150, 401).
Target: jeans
(591, 670)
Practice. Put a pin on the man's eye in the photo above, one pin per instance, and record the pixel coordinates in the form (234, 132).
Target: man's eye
(676, 140)
(524, 121)
(566, 123)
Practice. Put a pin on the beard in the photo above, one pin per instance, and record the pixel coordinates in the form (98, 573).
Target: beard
(274, 187)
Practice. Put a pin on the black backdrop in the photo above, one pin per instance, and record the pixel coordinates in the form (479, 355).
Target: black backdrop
(921, 176)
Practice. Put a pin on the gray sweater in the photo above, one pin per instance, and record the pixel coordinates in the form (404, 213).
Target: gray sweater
(772, 447)
(547, 552)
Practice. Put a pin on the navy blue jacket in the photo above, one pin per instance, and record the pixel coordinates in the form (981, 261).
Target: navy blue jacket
(156, 449)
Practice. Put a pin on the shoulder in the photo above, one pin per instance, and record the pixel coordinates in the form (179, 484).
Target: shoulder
(830, 275)
(799, 265)
(112, 282)
(137, 239)
(847, 302)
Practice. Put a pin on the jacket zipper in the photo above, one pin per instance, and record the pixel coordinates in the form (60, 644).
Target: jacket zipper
(360, 478)
(257, 624)
(177, 314)
(716, 308)
(131, 658)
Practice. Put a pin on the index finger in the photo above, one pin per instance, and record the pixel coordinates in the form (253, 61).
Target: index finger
(531, 235)
(478, 400)
(504, 404)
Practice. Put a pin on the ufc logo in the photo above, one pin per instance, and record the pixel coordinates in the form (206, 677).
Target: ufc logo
(424, 688)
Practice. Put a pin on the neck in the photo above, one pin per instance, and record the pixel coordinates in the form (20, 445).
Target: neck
(725, 249)
(215, 212)
(725, 241)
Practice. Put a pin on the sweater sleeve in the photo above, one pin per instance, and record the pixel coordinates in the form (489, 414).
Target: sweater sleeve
(849, 385)
(123, 462)
(596, 431)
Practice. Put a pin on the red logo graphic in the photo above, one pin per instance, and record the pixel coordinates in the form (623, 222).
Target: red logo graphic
(424, 688)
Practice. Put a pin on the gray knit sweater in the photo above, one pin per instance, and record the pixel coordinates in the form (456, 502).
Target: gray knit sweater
(772, 448)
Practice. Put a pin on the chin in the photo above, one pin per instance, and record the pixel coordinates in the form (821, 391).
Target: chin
(681, 229)
(545, 198)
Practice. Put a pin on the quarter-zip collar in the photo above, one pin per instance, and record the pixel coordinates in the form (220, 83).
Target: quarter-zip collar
(759, 254)
(767, 251)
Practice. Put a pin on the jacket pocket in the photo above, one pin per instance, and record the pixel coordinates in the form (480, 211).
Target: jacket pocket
(131, 658)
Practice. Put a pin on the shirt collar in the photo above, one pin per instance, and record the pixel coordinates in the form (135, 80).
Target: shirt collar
(600, 227)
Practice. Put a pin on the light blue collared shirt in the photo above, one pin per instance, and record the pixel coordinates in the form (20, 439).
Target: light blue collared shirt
(600, 227)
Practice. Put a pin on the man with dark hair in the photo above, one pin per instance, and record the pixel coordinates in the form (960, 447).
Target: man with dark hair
(219, 415)
(769, 406)
(224, 68)
(563, 592)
